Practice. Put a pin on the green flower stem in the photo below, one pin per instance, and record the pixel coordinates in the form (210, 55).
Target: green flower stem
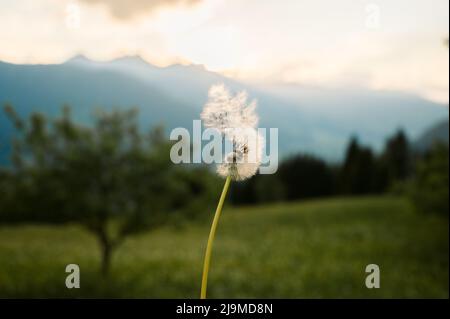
(211, 238)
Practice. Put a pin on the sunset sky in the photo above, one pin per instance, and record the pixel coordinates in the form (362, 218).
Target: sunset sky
(380, 44)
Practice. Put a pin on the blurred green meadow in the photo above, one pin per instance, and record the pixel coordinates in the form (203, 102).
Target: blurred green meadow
(309, 249)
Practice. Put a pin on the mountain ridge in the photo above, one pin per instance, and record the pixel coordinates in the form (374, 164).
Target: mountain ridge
(318, 121)
(438, 133)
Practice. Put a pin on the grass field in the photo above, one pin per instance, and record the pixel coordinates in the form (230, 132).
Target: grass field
(313, 249)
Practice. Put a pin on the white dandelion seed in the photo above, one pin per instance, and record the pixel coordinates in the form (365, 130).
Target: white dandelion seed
(236, 120)
(224, 111)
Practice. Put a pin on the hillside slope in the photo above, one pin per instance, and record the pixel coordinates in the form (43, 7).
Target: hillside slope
(436, 134)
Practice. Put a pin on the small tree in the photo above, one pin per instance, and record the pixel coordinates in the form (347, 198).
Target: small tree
(397, 157)
(109, 178)
(357, 175)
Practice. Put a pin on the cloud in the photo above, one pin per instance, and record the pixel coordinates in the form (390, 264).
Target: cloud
(125, 9)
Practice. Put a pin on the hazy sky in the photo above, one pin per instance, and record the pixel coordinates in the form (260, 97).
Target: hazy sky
(381, 44)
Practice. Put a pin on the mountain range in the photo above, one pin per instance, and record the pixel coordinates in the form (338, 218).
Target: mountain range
(437, 133)
(315, 120)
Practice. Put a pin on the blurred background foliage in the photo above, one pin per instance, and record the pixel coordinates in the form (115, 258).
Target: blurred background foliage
(150, 218)
(110, 178)
(398, 169)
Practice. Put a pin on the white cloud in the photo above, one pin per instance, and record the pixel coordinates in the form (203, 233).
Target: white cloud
(317, 42)
(126, 9)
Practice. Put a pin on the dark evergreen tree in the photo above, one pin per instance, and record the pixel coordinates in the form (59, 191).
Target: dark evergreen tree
(357, 175)
(397, 157)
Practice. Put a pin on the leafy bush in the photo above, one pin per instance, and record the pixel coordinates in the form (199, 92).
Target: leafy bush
(430, 187)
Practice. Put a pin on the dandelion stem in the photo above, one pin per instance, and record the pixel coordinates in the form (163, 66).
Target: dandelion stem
(211, 238)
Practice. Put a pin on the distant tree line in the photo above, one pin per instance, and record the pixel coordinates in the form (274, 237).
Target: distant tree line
(398, 168)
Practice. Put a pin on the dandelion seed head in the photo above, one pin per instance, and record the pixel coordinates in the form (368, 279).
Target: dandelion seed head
(236, 119)
(243, 162)
(223, 110)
